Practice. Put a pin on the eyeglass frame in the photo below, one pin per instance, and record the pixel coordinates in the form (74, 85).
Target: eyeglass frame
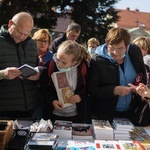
(26, 35)
(43, 41)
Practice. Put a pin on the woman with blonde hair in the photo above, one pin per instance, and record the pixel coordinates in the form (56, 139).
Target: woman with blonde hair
(43, 40)
(71, 59)
(144, 44)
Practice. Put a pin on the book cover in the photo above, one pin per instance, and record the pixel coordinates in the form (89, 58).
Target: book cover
(43, 140)
(44, 136)
(106, 145)
(62, 87)
(80, 145)
(131, 145)
(146, 146)
(27, 71)
(80, 148)
(82, 131)
(61, 126)
(42, 144)
(101, 125)
(122, 123)
(139, 134)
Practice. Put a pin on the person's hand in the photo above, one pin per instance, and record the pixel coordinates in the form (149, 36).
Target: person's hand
(34, 77)
(122, 90)
(11, 73)
(141, 89)
(57, 105)
(74, 99)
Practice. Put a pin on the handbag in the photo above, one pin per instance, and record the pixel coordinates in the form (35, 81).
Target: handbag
(141, 112)
(141, 115)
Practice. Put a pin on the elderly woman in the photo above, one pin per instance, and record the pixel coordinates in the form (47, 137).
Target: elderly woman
(43, 40)
(115, 64)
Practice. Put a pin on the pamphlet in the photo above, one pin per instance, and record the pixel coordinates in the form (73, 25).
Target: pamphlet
(62, 87)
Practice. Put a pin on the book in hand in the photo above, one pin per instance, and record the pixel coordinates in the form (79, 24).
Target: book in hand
(82, 131)
(27, 70)
(62, 87)
(41, 140)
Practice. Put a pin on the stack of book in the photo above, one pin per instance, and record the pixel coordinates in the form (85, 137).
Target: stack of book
(122, 128)
(139, 134)
(102, 129)
(63, 128)
(43, 141)
(82, 131)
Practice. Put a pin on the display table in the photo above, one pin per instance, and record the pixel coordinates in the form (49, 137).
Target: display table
(62, 142)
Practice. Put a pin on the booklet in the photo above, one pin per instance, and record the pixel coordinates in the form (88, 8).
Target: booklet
(62, 87)
(28, 70)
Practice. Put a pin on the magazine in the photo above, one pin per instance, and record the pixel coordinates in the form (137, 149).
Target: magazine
(63, 128)
(107, 145)
(131, 145)
(62, 87)
(80, 145)
(139, 134)
(43, 140)
(81, 131)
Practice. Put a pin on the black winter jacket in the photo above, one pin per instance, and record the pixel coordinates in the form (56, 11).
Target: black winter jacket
(55, 44)
(104, 76)
(50, 94)
(17, 94)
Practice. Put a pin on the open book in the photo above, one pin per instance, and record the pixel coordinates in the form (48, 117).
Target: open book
(62, 87)
(28, 70)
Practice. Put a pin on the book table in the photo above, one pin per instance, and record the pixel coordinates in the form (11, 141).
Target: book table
(61, 144)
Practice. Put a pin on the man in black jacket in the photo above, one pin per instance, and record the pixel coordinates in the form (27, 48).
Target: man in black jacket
(18, 97)
(72, 33)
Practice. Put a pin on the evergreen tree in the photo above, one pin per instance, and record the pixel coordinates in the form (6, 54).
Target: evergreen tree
(41, 10)
(94, 16)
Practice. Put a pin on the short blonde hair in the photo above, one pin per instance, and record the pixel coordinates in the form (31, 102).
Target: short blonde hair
(93, 40)
(143, 43)
(42, 33)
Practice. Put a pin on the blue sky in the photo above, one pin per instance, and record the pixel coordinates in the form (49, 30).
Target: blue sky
(142, 5)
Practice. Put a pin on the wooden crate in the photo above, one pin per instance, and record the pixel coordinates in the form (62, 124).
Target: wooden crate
(6, 133)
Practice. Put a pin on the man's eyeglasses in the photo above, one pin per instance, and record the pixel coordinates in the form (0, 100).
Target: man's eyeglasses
(43, 41)
(17, 29)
